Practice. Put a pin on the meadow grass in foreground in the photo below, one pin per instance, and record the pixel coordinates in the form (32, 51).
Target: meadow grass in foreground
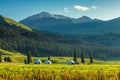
(14, 71)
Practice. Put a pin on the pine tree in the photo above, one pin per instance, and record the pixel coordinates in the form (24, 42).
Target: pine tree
(0, 58)
(29, 57)
(75, 55)
(25, 61)
(9, 59)
(5, 59)
(82, 57)
(49, 58)
(91, 57)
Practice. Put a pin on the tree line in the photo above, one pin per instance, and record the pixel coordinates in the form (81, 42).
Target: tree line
(82, 57)
(29, 59)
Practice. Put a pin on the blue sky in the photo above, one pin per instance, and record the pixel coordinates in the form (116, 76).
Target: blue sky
(100, 9)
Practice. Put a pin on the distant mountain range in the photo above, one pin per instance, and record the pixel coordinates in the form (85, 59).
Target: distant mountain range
(17, 37)
(67, 25)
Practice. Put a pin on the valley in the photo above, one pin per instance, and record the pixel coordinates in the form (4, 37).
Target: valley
(59, 39)
(16, 37)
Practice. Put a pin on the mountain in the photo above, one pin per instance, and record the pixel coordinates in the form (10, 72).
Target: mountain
(44, 15)
(83, 19)
(47, 21)
(106, 39)
(67, 25)
(44, 20)
(11, 22)
(14, 37)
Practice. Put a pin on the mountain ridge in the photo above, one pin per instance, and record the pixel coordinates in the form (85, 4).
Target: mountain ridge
(67, 25)
(8, 21)
(15, 39)
(56, 16)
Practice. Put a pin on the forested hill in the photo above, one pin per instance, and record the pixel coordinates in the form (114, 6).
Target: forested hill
(106, 39)
(17, 37)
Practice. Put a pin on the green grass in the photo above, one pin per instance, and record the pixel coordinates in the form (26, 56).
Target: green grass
(13, 71)
(58, 70)
(16, 57)
(12, 22)
(4, 52)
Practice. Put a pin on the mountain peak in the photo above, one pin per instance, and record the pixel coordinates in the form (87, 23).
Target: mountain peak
(44, 14)
(82, 19)
(97, 20)
(41, 15)
(85, 18)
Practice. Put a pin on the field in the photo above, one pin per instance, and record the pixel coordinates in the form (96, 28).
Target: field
(18, 71)
(58, 70)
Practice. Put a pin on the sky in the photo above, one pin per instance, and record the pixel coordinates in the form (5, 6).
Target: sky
(100, 9)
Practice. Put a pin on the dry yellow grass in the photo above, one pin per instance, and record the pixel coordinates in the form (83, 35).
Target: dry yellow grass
(12, 71)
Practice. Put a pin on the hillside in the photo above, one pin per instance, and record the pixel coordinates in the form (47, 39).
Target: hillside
(67, 25)
(14, 23)
(106, 39)
(14, 38)
(14, 56)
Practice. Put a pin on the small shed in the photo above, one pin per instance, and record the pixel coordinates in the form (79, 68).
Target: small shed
(71, 62)
(37, 61)
(47, 62)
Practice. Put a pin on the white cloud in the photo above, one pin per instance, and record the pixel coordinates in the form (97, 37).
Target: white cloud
(94, 7)
(81, 8)
(66, 10)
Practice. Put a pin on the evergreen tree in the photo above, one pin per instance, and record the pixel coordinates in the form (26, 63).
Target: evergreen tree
(9, 59)
(5, 59)
(91, 57)
(104, 57)
(0, 58)
(82, 57)
(49, 58)
(25, 61)
(75, 55)
(29, 57)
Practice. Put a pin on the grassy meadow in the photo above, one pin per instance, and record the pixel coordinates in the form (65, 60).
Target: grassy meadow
(58, 70)
(18, 71)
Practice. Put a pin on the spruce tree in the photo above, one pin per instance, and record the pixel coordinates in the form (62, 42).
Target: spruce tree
(29, 59)
(91, 57)
(9, 59)
(49, 58)
(0, 58)
(82, 57)
(5, 59)
(75, 55)
(25, 61)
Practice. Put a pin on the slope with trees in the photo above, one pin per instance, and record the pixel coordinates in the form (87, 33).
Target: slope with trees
(18, 39)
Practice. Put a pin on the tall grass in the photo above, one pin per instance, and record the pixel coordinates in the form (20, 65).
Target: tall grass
(59, 72)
